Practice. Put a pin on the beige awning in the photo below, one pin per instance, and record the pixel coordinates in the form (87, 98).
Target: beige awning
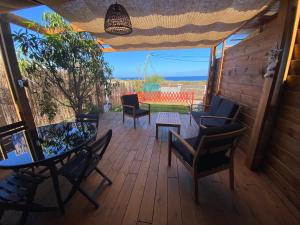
(163, 24)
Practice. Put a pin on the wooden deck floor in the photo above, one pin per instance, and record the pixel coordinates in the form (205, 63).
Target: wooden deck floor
(145, 191)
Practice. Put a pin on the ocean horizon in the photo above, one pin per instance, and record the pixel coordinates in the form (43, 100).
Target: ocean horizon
(172, 78)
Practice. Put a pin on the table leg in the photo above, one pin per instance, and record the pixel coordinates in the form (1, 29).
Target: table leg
(156, 132)
(53, 173)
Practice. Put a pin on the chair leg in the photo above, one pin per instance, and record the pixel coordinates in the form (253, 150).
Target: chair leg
(71, 193)
(231, 177)
(169, 155)
(123, 117)
(196, 189)
(134, 123)
(103, 175)
(190, 119)
(24, 217)
(149, 118)
(88, 197)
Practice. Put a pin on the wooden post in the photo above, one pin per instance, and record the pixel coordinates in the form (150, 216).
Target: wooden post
(221, 67)
(257, 142)
(13, 74)
(211, 75)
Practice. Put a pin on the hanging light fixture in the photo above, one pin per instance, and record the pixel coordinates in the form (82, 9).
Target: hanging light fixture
(117, 21)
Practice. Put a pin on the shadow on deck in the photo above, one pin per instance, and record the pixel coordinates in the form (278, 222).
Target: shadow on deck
(145, 191)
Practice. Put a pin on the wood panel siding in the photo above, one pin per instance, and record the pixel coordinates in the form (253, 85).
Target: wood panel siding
(145, 191)
(242, 74)
(283, 158)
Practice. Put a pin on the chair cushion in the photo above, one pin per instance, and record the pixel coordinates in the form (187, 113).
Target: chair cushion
(207, 160)
(211, 122)
(211, 161)
(138, 112)
(131, 100)
(181, 149)
(214, 104)
(227, 108)
(197, 115)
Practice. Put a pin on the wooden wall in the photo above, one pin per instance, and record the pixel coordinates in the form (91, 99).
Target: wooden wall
(242, 75)
(243, 82)
(283, 155)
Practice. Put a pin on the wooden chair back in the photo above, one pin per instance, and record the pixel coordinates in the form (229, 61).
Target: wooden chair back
(218, 143)
(131, 100)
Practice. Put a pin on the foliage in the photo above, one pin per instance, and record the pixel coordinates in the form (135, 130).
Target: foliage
(67, 66)
(137, 85)
(155, 78)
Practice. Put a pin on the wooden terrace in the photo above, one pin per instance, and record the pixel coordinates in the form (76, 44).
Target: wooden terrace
(145, 191)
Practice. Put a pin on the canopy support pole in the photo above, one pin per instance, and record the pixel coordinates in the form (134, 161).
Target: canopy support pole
(13, 74)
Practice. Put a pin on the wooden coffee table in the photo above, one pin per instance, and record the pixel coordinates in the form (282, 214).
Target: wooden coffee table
(168, 119)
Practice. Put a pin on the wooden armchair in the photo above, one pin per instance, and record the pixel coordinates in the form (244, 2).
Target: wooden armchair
(198, 110)
(131, 107)
(209, 152)
(227, 112)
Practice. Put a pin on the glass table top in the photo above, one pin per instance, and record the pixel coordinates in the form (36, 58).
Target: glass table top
(49, 142)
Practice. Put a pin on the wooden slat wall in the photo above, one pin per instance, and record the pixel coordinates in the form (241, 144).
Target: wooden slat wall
(242, 75)
(283, 158)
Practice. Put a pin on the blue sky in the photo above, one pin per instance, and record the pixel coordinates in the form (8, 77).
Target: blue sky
(181, 62)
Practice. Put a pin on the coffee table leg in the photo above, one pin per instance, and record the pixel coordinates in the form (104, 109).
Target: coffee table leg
(156, 135)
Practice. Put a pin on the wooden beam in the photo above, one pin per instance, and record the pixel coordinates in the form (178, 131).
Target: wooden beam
(13, 74)
(211, 75)
(293, 40)
(256, 150)
(31, 25)
(221, 67)
(108, 50)
(22, 22)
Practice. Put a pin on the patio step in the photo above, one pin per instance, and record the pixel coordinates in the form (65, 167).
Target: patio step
(296, 54)
(295, 67)
(293, 83)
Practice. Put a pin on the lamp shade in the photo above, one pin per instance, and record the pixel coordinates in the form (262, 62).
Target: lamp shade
(117, 21)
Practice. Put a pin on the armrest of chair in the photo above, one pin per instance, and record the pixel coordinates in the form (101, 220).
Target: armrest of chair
(143, 103)
(203, 105)
(130, 107)
(212, 117)
(180, 139)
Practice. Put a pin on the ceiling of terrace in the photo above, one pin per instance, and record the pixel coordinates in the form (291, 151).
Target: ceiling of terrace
(159, 24)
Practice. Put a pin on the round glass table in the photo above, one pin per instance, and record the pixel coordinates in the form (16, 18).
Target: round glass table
(46, 146)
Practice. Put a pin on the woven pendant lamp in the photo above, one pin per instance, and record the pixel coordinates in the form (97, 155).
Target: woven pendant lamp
(117, 21)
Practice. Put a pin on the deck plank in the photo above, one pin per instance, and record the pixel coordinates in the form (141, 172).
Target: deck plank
(145, 191)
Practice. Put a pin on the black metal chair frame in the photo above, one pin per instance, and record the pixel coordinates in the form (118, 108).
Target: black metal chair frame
(200, 149)
(17, 190)
(92, 118)
(88, 158)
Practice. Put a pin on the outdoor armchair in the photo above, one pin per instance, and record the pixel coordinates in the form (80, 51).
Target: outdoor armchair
(131, 108)
(211, 151)
(198, 110)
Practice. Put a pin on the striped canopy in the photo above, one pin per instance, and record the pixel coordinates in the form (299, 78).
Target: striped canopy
(162, 24)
